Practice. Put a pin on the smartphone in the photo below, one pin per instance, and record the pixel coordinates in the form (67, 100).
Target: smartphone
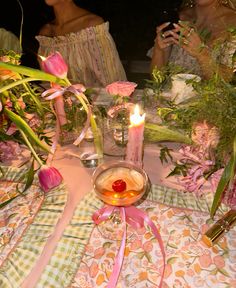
(171, 16)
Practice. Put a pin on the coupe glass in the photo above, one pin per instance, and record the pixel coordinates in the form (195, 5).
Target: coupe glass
(108, 182)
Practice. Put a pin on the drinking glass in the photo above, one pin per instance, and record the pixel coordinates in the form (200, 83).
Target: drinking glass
(120, 184)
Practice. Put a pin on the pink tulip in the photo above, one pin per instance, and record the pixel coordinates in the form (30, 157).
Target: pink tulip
(121, 88)
(49, 177)
(55, 65)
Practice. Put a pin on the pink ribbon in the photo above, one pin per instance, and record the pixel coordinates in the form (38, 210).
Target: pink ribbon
(136, 218)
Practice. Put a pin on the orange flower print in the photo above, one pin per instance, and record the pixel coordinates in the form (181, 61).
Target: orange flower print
(179, 273)
(143, 276)
(93, 270)
(100, 279)
(197, 268)
(186, 232)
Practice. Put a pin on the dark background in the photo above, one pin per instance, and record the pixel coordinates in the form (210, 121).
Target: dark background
(132, 25)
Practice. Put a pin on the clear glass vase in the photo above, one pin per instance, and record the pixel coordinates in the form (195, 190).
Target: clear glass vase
(73, 120)
(117, 126)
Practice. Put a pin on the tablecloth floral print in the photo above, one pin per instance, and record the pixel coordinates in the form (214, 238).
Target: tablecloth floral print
(189, 262)
(84, 259)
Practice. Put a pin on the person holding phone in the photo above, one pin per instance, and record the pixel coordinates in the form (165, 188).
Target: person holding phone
(203, 41)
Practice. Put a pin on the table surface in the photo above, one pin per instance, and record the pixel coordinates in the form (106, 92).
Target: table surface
(79, 186)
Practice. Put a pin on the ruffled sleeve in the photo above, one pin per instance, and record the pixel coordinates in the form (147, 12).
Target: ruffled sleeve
(9, 41)
(91, 55)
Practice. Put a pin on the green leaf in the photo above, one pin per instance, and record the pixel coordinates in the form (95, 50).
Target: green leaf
(165, 154)
(30, 177)
(157, 133)
(107, 245)
(22, 125)
(7, 202)
(179, 169)
(31, 72)
(171, 260)
(224, 272)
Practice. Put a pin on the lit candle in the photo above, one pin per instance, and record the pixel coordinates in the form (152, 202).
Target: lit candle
(134, 150)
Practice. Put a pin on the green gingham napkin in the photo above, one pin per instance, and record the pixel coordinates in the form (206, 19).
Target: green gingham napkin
(66, 259)
(24, 256)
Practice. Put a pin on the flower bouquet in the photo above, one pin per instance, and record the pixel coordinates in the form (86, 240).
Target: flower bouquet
(25, 113)
(205, 124)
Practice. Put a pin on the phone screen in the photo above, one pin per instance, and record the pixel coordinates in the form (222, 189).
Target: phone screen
(171, 16)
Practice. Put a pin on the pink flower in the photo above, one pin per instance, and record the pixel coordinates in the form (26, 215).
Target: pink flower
(229, 196)
(9, 150)
(205, 135)
(205, 260)
(121, 88)
(49, 177)
(55, 65)
(219, 261)
(12, 129)
(33, 120)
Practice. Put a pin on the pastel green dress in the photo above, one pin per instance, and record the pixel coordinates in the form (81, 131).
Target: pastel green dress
(91, 55)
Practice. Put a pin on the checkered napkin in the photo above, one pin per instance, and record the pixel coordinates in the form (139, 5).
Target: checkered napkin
(25, 254)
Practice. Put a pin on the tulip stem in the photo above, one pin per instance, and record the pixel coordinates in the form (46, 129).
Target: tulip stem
(31, 149)
(16, 83)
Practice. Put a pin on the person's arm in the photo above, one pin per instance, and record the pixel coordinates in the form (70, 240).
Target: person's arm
(162, 47)
(191, 42)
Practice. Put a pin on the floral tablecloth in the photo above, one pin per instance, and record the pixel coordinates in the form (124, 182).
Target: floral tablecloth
(25, 224)
(84, 258)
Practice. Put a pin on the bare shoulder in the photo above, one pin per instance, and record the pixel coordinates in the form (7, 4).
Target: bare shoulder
(46, 30)
(93, 20)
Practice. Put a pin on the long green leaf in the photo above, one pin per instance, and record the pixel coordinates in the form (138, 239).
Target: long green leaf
(31, 72)
(157, 133)
(3, 204)
(34, 98)
(226, 177)
(30, 177)
(22, 125)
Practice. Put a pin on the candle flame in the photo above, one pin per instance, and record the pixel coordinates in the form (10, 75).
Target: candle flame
(136, 118)
(42, 57)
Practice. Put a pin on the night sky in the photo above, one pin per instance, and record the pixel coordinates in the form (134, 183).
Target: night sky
(132, 24)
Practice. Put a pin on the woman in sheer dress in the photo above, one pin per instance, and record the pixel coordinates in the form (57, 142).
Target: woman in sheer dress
(203, 41)
(85, 43)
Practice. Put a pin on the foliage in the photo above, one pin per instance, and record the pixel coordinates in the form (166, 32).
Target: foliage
(215, 103)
